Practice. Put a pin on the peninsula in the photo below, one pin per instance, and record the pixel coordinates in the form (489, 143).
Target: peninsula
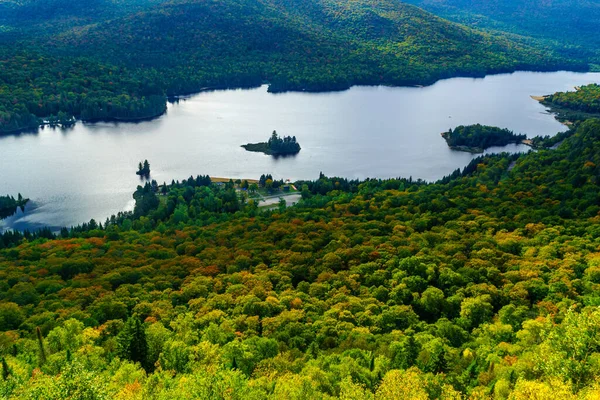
(573, 106)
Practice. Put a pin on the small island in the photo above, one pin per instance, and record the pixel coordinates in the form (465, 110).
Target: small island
(9, 205)
(477, 138)
(144, 169)
(276, 146)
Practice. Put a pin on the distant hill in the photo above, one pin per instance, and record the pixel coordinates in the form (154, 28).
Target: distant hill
(60, 55)
(57, 15)
(568, 23)
(301, 45)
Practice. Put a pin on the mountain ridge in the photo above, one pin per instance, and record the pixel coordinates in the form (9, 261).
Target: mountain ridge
(182, 46)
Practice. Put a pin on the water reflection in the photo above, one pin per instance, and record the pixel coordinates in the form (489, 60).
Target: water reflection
(88, 171)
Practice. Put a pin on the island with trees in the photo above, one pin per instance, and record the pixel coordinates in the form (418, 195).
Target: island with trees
(276, 146)
(477, 138)
(144, 169)
(9, 205)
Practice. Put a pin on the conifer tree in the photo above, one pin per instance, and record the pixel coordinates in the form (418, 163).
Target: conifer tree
(313, 350)
(5, 369)
(42, 350)
(131, 342)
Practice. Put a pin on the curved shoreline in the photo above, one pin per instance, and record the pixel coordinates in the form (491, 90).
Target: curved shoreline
(416, 84)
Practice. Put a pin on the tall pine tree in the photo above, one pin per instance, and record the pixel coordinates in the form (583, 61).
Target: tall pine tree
(131, 342)
(41, 348)
(5, 369)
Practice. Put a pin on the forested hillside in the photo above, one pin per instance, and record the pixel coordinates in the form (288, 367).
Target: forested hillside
(35, 87)
(484, 284)
(132, 54)
(568, 25)
(50, 16)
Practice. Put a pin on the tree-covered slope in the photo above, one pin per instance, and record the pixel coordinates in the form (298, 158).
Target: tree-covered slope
(182, 46)
(569, 24)
(482, 285)
(311, 45)
(56, 15)
(35, 87)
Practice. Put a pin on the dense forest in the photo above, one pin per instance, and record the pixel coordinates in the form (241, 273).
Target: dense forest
(119, 60)
(477, 138)
(34, 87)
(484, 285)
(578, 105)
(568, 26)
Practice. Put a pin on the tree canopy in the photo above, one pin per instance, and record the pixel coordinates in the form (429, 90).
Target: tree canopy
(482, 285)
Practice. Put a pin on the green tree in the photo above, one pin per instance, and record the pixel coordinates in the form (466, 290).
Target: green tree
(5, 369)
(476, 310)
(131, 342)
(11, 316)
(41, 347)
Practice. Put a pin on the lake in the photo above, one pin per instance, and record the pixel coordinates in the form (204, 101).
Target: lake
(88, 171)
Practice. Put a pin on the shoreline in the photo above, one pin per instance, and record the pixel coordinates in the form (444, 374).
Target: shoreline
(216, 179)
(556, 111)
(408, 84)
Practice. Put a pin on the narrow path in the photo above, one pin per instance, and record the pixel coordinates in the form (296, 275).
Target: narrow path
(291, 199)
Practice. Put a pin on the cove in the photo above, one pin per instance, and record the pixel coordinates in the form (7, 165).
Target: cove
(88, 170)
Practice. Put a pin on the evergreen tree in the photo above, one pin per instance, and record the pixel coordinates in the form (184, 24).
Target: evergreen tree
(313, 350)
(41, 348)
(5, 369)
(283, 145)
(412, 351)
(131, 342)
(144, 169)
